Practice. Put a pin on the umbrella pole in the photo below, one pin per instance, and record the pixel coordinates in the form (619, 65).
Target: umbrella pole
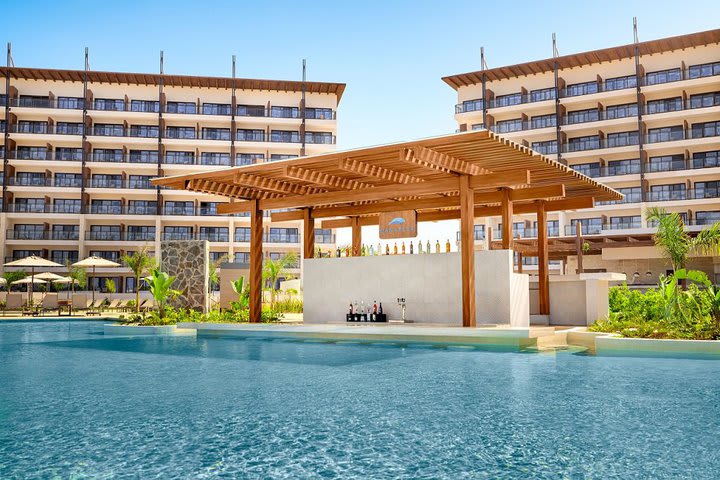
(32, 283)
(93, 290)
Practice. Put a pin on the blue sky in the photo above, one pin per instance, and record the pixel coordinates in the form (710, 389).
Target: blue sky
(390, 53)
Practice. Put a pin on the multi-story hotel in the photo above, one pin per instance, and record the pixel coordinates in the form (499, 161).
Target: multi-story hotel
(80, 148)
(643, 118)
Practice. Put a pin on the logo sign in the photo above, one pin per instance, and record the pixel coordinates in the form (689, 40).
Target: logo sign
(398, 224)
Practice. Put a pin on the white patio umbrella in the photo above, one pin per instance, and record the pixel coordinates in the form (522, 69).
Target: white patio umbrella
(28, 280)
(32, 262)
(95, 261)
(49, 276)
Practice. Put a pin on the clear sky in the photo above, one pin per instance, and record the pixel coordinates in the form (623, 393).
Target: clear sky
(391, 54)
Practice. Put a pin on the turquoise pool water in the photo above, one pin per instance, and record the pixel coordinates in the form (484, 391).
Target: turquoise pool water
(77, 404)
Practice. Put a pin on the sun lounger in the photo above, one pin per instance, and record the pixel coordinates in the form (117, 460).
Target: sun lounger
(95, 307)
(113, 305)
(50, 302)
(14, 302)
(79, 301)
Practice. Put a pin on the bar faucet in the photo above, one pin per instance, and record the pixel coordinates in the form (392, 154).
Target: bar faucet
(401, 303)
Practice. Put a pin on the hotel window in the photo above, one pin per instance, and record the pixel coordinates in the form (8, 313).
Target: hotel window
(181, 107)
(472, 105)
(34, 101)
(31, 153)
(3, 100)
(182, 132)
(707, 218)
(69, 128)
(66, 205)
(140, 233)
(582, 116)
(659, 193)
(285, 112)
(73, 180)
(214, 158)
(216, 133)
(144, 131)
(2, 125)
(706, 129)
(65, 232)
(632, 194)
(319, 138)
(64, 256)
(177, 233)
(142, 207)
(208, 208)
(140, 182)
(30, 179)
(588, 142)
(30, 205)
(113, 256)
(242, 234)
(621, 111)
(622, 139)
(277, 256)
(542, 94)
(507, 100)
(625, 222)
(665, 134)
(143, 156)
(109, 130)
(707, 189)
(663, 76)
(281, 156)
(150, 106)
(284, 136)
(705, 100)
(704, 70)
(18, 254)
(179, 208)
(108, 207)
(589, 169)
(250, 135)
(216, 109)
(585, 88)
(28, 232)
(248, 158)
(106, 180)
(214, 234)
(618, 83)
(588, 226)
(70, 103)
(324, 235)
(109, 104)
(25, 126)
(706, 159)
(242, 257)
(107, 155)
(283, 235)
(506, 126)
(319, 113)
(543, 121)
(216, 257)
(130, 284)
(250, 111)
(548, 147)
(667, 163)
(180, 158)
(664, 105)
(105, 232)
(67, 153)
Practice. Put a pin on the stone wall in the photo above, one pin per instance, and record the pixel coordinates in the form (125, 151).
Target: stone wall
(644, 266)
(187, 261)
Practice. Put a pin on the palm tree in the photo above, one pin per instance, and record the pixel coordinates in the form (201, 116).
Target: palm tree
(274, 269)
(78, 276)
(213, 274)
(242, 291)
(675, 243)
(160, 288)
(139, 262)
(11, 276)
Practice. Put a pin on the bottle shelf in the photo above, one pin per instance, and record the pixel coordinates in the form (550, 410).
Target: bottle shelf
(366, 317)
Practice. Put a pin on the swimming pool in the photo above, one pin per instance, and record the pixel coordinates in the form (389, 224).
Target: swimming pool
(74, 403)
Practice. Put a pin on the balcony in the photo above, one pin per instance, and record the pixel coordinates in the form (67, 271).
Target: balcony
(173, 133)
(178, 236)
(281, 238)
(688, 194)
(45, 182)
(104, 236)
(326, 238)
(584, 230)
(42, 235)
(179, 210)
(38, 102)
(120, 209)
(120, 158)
(42, 208)
(44, 129)
(214, 236)
(589, 116)
(109, 105)
(625, 225)
(633, 197)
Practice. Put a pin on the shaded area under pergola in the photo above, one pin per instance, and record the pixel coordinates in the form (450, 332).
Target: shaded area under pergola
(460, 176)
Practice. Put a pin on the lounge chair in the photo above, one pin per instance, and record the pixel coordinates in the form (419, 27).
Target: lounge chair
(14, 302)
(147, 305)
(113, 305)
(50, 302)
(95, 308)
(79, 301)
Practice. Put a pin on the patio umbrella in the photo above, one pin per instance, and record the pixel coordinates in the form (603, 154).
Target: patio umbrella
(95, 261)
(27, 280)
(32, 262)
(49, 276)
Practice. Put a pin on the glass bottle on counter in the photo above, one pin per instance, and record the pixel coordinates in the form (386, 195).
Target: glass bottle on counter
(437, 246)
(447, 246)
(411, 247)
(379, 249)
(375, 310)
(347, 251)
(337, 252)
(403, 247)
(428, 247)
(420, 247)
(387, 249)
(380, 309)
(395, 250)
(372, 251)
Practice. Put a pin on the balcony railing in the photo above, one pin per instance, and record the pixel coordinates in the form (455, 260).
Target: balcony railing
(42, 208)
(43, 129)
(127, 158)
(180, 134)
(214, 236)
(59, 103)
(584, 230)
(687, 194)
(600, 144)
(318, 238)
(45, 182)
(281, 238)
(178, 236)
(634, 197)
(120, 210)
(121, 236)
(41, 235)
(57, 156)
(179, 210)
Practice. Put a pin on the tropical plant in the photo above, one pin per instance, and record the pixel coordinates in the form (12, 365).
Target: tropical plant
(110, 285)
(243, 293)
(77, 275)
(274, 269)
(11, 276)
(161, 289)
(140, 262)
(213, 273)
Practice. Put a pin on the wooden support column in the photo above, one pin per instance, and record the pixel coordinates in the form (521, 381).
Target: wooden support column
(507, 220)
(256, 257)
(467, 251)
(520, 260)
(543, 272)
(578, 246)
(308, 234)
(356, 236)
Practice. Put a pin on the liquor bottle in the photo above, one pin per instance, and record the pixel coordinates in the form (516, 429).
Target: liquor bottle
(437, 246)
(420, 247)
(427, 250)
(395, 249)
(337, 252)
(319, 253)
(447, 246)
(374, 306)
(411, 247)
(362, 306)
(351, 309)
(355, 308)
(347, 251)
(403, 247)
(362, 250)
(387, 249)
(379, 250)
(372, 251)
(380, 309)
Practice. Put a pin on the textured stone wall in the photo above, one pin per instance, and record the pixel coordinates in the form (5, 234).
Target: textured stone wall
(654, 266)
(187, 261)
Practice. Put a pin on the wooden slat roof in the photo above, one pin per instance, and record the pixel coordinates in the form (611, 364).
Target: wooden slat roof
(407, 170)
(336, 89)
(585, 58)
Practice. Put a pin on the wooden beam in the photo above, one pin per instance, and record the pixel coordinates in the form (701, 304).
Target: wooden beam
(308, 234)
(543, 265)
(507, 220)
(362, 168)
(429, 158)
(273, 185)
(467, 252)
(256, 256)
(323, 179)
(356, 236)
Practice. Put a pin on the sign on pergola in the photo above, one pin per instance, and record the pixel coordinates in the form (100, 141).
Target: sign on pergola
(460, 176)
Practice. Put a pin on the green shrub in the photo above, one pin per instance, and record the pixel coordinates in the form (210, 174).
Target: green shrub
(174, 316)
(289, 305)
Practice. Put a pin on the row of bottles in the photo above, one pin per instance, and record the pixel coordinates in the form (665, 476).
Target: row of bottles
(370, 250)
(362, 309)
(365, 313)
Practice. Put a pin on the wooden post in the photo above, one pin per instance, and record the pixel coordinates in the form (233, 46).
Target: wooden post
(578, 247)
(520, 258)
(467, 251)
(308, 234)
(356, 236)
(507, 220)
(256, 255)
(488, 237)
(543, 273)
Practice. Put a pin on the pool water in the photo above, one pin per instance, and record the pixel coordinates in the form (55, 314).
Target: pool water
(77, 404)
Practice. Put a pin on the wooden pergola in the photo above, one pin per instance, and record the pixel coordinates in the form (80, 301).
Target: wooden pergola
(460, 176)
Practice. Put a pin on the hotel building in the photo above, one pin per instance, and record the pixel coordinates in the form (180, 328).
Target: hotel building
(643, 118)
(80, 147)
